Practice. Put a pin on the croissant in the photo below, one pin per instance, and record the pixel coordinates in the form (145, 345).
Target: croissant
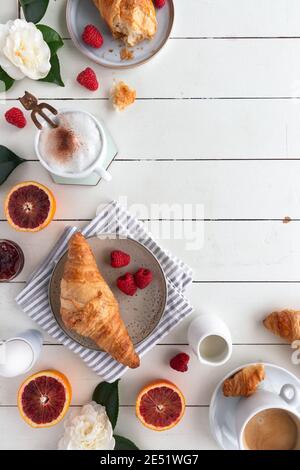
(285, 324)
(245, 382)
(129, 20)
(89, 307)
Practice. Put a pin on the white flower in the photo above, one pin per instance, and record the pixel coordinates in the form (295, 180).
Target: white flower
(23, 51)
(88, 429)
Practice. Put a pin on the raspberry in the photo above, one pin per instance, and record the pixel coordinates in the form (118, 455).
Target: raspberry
(143, 277)
(16, 117)
(88, 79)
(92, 36)
(126, 284)
(119, 259)
(159, 3)
(180, 362)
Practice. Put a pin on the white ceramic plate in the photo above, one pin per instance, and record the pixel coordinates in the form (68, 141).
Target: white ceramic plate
(141, 312)
(222, 410)
(82, 12)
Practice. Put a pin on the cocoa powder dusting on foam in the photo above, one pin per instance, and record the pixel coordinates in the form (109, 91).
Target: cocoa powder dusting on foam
(73, 146)
(65, 143)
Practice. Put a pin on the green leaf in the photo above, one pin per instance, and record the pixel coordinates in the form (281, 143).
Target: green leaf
(8, 162)
(51, 37)
(124, 444)
(55, 42)
(6, 79)
(107, 394)
(54, 74)
(34, 10)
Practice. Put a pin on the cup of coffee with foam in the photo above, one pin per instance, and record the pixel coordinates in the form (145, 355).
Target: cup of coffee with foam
(75, 148)
(269, 421)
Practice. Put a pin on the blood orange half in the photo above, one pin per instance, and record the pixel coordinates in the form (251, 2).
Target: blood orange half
(44, 398)
(29, 206)
(160, 405)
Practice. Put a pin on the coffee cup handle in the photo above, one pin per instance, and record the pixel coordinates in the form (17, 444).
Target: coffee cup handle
(290, 394)
(103, 173)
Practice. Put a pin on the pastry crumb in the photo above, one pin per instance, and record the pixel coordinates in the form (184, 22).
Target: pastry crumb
(122, 96)
(126, 54)
(287, 219)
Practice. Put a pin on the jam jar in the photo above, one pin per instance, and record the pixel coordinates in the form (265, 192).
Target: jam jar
(11, 260)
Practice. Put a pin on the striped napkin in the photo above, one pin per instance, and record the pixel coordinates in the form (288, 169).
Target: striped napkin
(112, 219)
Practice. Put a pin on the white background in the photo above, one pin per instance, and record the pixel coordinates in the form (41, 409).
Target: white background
(216, 123)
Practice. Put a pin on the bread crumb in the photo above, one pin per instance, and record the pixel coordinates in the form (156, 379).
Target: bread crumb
(287, 219)
(122, 96)
(126, 54)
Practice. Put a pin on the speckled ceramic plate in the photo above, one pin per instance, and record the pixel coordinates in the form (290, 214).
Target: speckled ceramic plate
(82, 12)
(142, 312)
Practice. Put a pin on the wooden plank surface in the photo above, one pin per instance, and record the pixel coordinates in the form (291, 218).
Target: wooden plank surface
(196, 387)
(191, 433)
(253, 68)
(216, 18)
(242, 305)
(233, 251)
(212, 190)
(213, 137)
(200, 129)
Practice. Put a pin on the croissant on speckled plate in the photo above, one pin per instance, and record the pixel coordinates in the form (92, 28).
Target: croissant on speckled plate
(285, 324)
(129, 20)
(89, 307)
(245, 382)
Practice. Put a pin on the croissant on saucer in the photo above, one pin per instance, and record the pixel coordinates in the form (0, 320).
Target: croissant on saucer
(129, 20)
(285, 324)
(245, 382)
(89, 307)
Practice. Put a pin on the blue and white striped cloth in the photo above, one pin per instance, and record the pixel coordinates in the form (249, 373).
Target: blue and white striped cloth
(112, 219)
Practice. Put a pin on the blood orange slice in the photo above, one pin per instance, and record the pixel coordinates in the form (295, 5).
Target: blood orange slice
(44, 398)
(160, 405)
(29, 206)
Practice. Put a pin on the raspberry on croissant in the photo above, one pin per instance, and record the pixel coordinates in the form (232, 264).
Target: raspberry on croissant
(245, 382)
(285, 324)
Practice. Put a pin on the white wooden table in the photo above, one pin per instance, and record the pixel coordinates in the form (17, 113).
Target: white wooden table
(217, 124)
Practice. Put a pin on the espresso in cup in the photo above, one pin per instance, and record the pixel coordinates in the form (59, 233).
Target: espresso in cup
(73, 146)
(272, 429)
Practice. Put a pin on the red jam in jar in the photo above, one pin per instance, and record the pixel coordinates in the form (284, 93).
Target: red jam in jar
(11, 260)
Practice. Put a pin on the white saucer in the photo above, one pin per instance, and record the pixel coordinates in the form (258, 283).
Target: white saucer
(222, 410)
(79, 13)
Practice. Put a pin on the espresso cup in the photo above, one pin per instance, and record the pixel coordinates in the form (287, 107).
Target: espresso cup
(95, 167)
(269, 421)
(210, 339)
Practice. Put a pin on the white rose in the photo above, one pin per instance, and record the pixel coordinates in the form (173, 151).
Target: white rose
(88, 429)
(23, 51)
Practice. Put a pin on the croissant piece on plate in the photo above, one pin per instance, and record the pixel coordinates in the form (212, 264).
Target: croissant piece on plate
(129, 20)
(245, 382)
(285, 324)
(89, 307)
